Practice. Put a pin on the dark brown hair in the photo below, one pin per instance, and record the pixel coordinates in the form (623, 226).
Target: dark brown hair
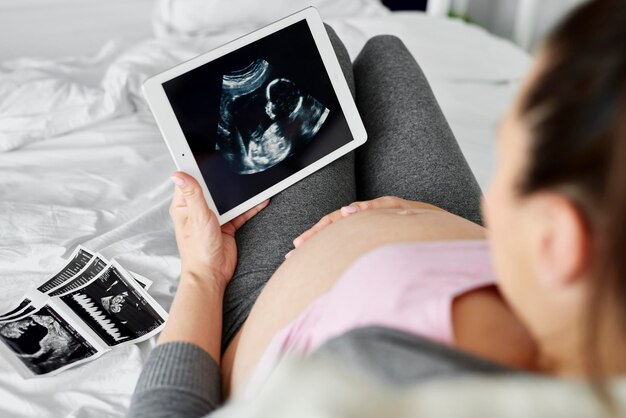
(576, 110)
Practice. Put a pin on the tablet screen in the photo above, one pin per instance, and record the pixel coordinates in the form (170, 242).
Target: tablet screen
(259, 114)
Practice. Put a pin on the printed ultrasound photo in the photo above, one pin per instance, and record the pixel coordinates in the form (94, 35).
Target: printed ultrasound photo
(259, 114)
(24, 303)
(113, 309)
(80, 259)
(44, 341)
(19, 314)
(91, 271)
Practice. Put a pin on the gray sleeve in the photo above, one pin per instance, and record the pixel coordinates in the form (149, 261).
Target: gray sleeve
(402, 359)
(178, 380)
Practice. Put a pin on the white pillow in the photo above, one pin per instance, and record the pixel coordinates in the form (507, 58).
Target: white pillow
(198, 17)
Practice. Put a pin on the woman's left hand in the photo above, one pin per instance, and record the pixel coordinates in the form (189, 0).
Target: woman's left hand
(207, 251)
(385, 202)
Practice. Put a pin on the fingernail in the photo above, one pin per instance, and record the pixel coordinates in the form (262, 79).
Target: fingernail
(180, 182)
(296, 241)
(349, 209)
(288, 254)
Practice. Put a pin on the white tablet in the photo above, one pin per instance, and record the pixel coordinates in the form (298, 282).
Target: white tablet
(256, 115)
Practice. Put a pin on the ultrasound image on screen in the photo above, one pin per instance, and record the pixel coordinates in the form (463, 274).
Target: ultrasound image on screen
(259, 114)
(264, 118)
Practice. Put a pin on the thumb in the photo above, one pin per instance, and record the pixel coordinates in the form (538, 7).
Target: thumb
(189, 194)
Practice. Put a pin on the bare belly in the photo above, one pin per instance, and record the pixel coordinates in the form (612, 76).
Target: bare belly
(315, 266)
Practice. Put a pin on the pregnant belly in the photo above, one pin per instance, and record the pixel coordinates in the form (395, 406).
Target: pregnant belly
(315, 266)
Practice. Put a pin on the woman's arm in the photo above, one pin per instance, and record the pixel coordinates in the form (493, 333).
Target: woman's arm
(181, 376)
(196, 314)
(208, 256)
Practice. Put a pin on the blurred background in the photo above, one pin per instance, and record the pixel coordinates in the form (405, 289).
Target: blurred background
(525, 22)
(49, 27)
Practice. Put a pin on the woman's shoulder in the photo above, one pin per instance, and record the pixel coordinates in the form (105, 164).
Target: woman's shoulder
(403, 358)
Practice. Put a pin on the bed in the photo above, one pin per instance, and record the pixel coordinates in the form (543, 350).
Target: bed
(82, 162)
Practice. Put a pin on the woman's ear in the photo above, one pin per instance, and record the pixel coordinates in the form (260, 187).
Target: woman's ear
(562, 241)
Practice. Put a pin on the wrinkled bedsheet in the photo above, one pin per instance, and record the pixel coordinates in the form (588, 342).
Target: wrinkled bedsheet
(83, 163)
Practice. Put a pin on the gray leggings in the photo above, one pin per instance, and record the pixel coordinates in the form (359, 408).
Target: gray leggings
(410, 152)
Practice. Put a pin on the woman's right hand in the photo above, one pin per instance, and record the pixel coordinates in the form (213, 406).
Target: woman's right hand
(385, 202)
(206, 249)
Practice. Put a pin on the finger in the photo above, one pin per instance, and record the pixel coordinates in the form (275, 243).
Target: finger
(179, 200)
(303, 237)
(349, 210)
(189, 195)
(325, 221)
(365, 205)
(249, 214)
(178, 208)
(385, 202)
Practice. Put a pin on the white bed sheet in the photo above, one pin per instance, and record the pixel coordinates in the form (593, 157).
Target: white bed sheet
(105, 182)
(57, 28)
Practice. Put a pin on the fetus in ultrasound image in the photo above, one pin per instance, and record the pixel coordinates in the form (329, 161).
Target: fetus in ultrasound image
(44, 341)
(264, 118)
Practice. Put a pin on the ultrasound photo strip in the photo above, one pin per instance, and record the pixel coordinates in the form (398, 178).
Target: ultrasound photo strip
(98, 308)
(115, 307)
(28, 309)
(143, 281)
(95, 266)
(78, 260)
(91, 270)
(45, 342)
(98, 314)
(17, 310)
(88, 272)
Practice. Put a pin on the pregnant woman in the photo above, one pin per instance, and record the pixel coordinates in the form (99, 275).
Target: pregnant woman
(402, 287)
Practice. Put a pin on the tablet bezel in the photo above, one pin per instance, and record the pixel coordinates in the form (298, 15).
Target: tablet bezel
(175, 139)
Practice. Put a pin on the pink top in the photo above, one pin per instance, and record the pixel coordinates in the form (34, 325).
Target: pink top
(406, 286)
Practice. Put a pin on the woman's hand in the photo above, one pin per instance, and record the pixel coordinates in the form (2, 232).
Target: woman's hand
(208, 256)
(206, 249)
(385, 202)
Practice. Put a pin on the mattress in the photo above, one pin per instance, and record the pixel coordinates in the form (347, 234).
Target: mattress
(88, 165)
